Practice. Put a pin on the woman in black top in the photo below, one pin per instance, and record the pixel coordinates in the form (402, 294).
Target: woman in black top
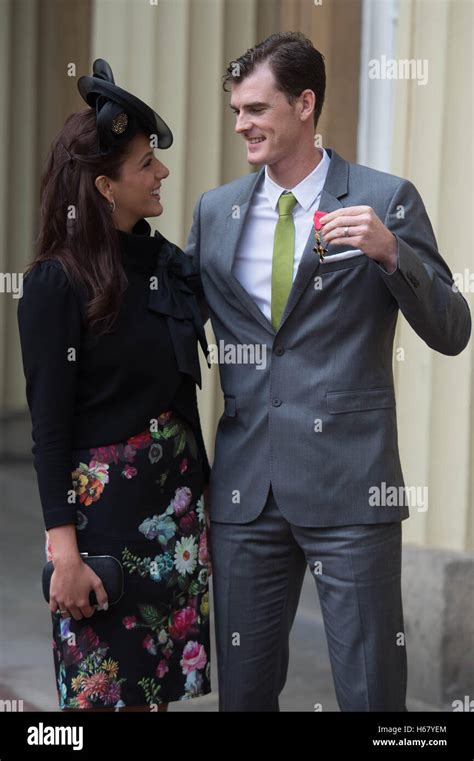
(109, 324)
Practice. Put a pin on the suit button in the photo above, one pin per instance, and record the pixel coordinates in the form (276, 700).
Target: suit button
(276, 402)
(279, 351)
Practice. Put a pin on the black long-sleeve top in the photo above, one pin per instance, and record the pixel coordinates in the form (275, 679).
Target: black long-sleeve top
(85, 390)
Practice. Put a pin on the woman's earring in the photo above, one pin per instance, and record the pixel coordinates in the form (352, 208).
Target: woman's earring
(112, 206)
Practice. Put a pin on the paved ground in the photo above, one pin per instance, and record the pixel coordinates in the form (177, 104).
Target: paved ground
(26, 664)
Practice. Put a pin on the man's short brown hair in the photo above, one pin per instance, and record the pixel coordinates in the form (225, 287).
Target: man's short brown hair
(294, 61)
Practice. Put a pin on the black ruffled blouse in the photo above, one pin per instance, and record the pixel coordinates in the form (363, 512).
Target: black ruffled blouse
(87, 391)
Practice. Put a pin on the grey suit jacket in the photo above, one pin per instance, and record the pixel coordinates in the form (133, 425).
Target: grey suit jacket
(319, 420)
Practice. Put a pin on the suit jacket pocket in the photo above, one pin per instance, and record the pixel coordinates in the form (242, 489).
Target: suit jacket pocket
(341, 264)
(359, 400)
(340, 255)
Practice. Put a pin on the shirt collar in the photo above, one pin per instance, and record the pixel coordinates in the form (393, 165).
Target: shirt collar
(306, 191)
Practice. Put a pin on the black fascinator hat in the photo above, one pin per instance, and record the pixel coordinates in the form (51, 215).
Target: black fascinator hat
(119, 114)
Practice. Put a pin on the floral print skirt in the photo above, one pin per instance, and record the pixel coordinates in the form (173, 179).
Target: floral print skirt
(141, 501)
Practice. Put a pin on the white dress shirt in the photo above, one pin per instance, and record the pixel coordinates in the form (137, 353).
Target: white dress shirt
(253, 259)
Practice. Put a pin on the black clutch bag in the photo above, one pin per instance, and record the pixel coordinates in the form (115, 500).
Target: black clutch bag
(107, 568)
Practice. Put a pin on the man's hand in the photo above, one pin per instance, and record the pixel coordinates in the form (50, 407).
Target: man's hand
(365, 231)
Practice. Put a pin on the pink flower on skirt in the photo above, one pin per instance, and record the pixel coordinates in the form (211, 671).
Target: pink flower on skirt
(129, 472)
(84, 702)
(162, 669)
(105, 454)
(194, 657)
(203, 552)
(149, 644)
(183, 621)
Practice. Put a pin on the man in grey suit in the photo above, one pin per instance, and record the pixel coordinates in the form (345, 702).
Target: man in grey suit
(306, 470)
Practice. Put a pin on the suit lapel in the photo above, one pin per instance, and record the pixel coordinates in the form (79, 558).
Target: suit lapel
(233, 230)
(334, 188)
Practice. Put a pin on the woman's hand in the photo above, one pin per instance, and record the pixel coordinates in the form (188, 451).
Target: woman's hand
(71, 583)
(72, 580)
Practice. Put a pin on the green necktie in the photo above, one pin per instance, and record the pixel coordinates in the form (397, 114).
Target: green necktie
(283, 254)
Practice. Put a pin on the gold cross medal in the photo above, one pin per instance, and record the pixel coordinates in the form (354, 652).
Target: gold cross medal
(319, 247)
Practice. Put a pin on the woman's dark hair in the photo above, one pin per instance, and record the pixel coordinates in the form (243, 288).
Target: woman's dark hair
(295, 62)
(76, 227)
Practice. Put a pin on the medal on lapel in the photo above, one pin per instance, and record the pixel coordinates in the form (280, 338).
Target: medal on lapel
(319, 247)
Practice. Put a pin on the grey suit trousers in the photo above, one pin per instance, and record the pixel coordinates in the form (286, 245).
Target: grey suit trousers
(258, 570)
